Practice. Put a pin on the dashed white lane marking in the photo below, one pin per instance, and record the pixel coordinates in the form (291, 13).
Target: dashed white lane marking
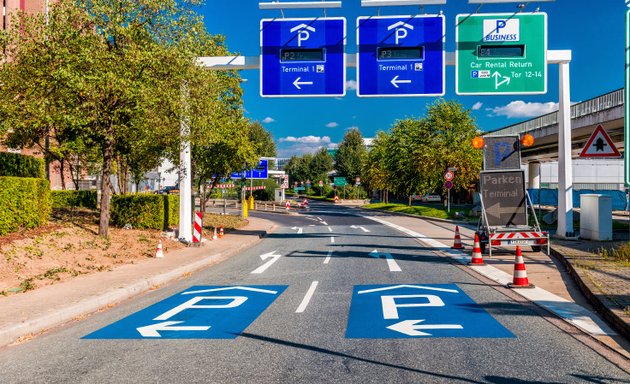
(307, 298)
(324, 223)
(567, 310)
(332, 239)
(329, 229)
(327, 259)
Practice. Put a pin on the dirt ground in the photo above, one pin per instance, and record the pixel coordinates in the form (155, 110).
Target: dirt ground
(69, 246)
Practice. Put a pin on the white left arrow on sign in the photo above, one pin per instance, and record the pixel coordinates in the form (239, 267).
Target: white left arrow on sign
(297, 83)
(413, 327)
(270, 255)
(395, 81)
(152, 330)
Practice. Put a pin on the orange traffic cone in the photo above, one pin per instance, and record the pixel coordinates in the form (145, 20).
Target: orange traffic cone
(158, 252)
(520, 273)
(458, 240)
(477, 258)
(214, 236)
(220, 232)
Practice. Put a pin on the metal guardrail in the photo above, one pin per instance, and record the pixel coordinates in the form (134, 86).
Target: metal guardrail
(598, 104)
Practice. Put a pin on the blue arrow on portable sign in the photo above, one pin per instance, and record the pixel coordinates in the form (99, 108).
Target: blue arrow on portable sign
(418, 311)
(201, 312)
(400, 56)
(303, 57)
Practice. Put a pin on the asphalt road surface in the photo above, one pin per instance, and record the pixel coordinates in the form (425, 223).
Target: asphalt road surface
(329, 297)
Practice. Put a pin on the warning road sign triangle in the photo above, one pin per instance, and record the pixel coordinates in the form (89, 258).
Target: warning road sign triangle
(599, 145)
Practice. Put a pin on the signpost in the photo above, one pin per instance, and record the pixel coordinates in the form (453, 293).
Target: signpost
(303, 57)
(260, 172)
(503, 194)
(448, 184)
(626, 103)
(600, 145)
(501, 53)
(400, 56)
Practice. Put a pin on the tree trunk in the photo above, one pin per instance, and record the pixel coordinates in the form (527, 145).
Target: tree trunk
(108, 159)
(61, 170)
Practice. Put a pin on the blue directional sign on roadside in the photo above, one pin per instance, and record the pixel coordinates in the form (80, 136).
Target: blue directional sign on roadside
(260, 172)
(200, 312)
(400, 56)
(418, 311)
(302, 57)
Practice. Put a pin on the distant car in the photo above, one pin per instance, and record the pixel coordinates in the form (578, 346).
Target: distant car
(170, 190)
(431, 198)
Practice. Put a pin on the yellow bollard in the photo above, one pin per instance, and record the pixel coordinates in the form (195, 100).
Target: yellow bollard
(244, 212)
(251, 202)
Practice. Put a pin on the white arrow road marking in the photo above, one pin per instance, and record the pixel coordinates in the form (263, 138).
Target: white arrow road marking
(228, 288)
(327, 259)
(297, 83)
(413, 327)
(391, 263)
(307, 297)
(408, 286)
(299, 230)
(359, 227)
(152, 330)
(271, 255)
(497, 83)
(395, 81)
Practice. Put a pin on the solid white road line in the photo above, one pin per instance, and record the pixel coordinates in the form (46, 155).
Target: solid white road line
(327, 259)
(307, 298)
(569, 311)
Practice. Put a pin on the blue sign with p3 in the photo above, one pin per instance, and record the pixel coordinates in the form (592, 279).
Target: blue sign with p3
(200, 312)
(418, 311)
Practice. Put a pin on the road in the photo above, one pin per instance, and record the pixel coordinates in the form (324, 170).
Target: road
(329, 297)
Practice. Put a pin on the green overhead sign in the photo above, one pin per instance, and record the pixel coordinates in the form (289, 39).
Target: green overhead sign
(340, 181)
(501, 54)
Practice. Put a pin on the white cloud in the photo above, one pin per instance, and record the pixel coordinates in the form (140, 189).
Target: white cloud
(291, 145)
(306, 139)
(332, 124)
(268, 120)
(477, 106)
(519, 108)
(351, 85)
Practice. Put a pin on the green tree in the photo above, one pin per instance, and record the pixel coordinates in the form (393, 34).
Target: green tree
(262, 139)
(349, 157)
(375, 170)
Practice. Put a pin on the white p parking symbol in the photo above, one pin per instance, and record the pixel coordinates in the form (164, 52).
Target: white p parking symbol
(390, 307)
(303, 35)
(401, 33)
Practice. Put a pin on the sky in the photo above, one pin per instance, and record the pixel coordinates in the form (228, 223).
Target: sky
(592, 30)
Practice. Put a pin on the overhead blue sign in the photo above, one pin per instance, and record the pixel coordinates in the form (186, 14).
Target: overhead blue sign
(260, 172)
(418, 311)
(302, 57)
(400, 56)
(200, 312)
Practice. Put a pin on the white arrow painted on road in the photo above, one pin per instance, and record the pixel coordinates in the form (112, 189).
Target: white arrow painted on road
(299, 230)
(152, 330)
(271, 255)
(391, 263)
(497, 83)
(297, 83)
(359, 227)
(413, 327)
(395, 81)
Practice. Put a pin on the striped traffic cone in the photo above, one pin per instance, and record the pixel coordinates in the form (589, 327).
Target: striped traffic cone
(458, 240)
(214, 236)
(520, 273)
(477, 258)
(158, 252)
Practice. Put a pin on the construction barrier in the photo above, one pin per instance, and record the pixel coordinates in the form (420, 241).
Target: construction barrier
(197, 228)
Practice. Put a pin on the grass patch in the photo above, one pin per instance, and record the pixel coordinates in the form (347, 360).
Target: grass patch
(229, 222)
(421, 210)
(620, 254)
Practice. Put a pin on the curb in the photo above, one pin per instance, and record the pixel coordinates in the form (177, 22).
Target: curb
(618, 324)
(88, 306)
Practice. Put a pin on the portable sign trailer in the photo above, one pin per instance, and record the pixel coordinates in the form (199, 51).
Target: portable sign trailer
(505, 203)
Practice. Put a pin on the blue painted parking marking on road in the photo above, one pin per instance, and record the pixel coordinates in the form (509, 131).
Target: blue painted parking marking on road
(200, 312)
(418, 311)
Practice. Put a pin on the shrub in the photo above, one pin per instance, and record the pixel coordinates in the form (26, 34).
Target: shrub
(145, 211)
(24, 202)
(14, 164)
(70, 199)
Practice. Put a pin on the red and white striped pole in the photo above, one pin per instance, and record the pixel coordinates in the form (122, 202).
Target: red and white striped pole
(197, 228)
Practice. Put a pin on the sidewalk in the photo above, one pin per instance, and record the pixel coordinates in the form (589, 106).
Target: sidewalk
(23, 315)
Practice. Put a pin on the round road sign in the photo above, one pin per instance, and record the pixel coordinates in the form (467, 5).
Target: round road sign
(448, 176)
(448, 184)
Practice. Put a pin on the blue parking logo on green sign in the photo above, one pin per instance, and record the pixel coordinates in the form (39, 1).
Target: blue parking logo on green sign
(418, 311)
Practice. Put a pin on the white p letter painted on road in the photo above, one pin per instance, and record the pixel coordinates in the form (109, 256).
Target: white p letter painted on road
(191, 304)
(390, 308)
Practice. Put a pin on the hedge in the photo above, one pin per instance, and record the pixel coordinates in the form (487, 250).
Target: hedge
(24, 203)
(70, 199)
(145, 211)
(14, 164)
